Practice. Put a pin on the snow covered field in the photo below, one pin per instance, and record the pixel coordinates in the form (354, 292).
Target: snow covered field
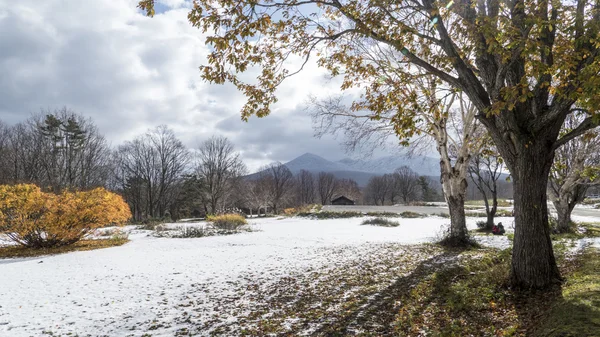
(163, 286)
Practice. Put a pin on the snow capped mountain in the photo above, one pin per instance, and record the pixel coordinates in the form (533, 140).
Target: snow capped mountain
(313, 163)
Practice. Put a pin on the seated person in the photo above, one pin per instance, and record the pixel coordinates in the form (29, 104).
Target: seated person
(498, 229)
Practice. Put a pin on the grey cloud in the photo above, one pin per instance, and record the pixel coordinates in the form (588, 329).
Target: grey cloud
(129, 73)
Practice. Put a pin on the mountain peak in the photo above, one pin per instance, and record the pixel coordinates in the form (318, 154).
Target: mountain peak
(314, 163)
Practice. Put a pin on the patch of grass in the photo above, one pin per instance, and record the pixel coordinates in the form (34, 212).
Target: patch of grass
(590, 229)
(384, 214)
(470, 299)
(383, 222)
(501, 203)
(422, 204)
(150, 224)
(589, 201)
(331, 215)
(578, 231)
(412, 215)
(483, 214)
(301, 209)
(504, 212)
(577, 313)
(443, 215)
(186, 232)
(476, 214)
(20, 251)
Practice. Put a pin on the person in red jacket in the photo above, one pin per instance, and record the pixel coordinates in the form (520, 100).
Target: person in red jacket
(498, 229)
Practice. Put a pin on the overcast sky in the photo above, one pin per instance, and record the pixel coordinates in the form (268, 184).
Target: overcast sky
(107, 61)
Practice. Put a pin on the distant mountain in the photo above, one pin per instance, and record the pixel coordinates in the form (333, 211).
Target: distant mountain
(361, 170)
(426, 166)
(313, 163)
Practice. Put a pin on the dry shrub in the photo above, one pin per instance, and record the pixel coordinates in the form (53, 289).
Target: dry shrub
(36, 219)
(231, 222)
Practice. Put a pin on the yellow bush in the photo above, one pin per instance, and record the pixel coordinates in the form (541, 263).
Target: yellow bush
(36, 219)
(290, 211)
(227, 221)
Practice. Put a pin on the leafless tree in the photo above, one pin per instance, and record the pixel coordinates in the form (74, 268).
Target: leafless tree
(257, 194)
(278, 182)
(377, 190)
(326, 185)
(485, 169)
(406, 183)
(305, 188)
(148, 170)
(219, 167)
(575, 168)
(348, 188)
(5, 167)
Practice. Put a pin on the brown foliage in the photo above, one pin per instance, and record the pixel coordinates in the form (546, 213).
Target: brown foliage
(36, 219)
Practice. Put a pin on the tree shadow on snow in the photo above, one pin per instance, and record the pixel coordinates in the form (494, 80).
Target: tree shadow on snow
(378, 315)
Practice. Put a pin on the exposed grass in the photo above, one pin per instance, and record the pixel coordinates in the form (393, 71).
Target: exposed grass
(501, 203)
(20, 251)
(384, 214)
(452, 293)
(352, 214)
(149, 224)
(482, 214)
(331, 215)
(577, 313)
(590, 229)
(383, 222)
(589, 201)
(579, 231)
(412, 215)
(473, 299)
(302, 209)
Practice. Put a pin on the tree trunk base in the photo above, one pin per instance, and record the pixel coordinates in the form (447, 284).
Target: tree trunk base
(458, 242)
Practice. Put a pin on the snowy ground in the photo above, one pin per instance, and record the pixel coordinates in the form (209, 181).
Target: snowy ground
(165, 287)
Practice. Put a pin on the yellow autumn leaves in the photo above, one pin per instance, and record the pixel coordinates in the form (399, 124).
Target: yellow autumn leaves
(36, 219)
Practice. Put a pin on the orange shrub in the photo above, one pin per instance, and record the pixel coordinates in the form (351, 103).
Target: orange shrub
(36, 219)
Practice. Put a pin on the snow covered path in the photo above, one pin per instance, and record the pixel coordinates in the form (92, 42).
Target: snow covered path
(143, 286)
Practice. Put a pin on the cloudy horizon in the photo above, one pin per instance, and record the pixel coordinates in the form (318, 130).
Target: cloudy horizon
(129, 73)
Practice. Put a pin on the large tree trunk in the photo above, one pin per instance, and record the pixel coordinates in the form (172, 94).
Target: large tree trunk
(458, 225)
(533, 262)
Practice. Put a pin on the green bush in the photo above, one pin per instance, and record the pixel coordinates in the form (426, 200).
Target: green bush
(383, 222)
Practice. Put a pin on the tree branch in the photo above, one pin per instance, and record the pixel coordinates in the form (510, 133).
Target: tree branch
(586, 125)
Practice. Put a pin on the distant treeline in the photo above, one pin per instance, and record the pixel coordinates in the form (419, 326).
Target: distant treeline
(159, 177)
